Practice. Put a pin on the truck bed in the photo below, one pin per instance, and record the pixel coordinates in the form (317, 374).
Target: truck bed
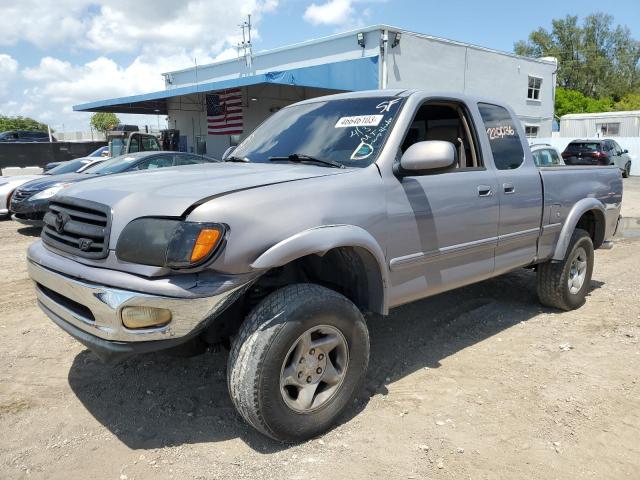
(564, 186)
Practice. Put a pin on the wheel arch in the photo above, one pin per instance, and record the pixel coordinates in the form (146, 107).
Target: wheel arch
(357, 247)
(588, 214)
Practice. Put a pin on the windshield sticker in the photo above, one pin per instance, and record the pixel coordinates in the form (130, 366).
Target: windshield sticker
(359, 121)
(364, 150)
(386, 106)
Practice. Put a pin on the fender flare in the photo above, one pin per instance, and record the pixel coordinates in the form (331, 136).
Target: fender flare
(319, 240)
(579, 209)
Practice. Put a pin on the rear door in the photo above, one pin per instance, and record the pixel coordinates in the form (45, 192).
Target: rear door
(519, 189)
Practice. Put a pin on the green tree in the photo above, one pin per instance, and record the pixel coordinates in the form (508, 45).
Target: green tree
(594, 58)
(573, 101)
(21, 123)
(631, 101)
(104, 121)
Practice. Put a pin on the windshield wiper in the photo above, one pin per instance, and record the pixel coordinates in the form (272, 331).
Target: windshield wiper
(236, 159)
(301, 157)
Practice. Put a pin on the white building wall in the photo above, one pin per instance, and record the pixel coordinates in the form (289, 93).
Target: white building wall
(433, 64)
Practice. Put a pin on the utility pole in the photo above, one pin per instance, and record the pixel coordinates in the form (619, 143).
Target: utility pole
(245, 46)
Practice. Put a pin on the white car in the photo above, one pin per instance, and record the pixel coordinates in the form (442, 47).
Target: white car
(545, 155)
(9, 184)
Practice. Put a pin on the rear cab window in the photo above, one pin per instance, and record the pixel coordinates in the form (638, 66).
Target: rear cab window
(502, 133)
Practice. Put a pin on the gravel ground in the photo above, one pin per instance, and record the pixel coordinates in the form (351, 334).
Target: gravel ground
(481, 382)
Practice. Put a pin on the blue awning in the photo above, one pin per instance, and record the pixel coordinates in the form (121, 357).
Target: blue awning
(348, 75)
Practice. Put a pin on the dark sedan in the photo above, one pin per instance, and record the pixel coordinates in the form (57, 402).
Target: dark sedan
(31, 200)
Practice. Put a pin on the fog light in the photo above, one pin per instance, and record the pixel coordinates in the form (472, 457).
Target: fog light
(145, 317)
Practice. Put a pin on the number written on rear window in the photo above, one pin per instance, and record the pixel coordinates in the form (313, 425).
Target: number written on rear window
(506, 146)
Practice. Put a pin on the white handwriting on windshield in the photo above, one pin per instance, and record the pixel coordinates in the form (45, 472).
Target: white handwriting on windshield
(386, 105)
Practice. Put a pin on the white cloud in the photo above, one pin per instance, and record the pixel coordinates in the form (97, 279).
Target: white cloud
(134, 42)
(333, 12)
(8, 69)
(339, 13)
(42, 24)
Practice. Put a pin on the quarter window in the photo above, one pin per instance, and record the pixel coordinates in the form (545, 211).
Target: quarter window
(504, 140)
(533, 92)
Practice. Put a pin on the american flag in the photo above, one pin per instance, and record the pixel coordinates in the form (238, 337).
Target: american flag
(224, 112)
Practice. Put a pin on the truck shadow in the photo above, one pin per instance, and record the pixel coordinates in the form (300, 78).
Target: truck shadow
(156, 400)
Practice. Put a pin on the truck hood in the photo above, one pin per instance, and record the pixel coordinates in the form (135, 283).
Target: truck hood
(171, 191)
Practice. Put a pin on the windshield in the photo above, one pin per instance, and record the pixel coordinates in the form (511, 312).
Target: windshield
(350, 132)
(113, 165)
(584, 147)
(67, 167)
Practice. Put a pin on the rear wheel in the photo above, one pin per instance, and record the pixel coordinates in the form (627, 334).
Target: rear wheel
(626, 171)
(564, 284)
(298, 359)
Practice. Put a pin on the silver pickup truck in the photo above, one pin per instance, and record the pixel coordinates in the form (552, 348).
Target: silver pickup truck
(333, 208)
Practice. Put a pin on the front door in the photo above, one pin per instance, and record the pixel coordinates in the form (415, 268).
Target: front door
(442, 225)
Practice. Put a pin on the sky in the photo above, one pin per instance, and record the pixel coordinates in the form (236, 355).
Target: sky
(56, 54)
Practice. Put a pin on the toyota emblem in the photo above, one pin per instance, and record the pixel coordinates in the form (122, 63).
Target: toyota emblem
(60, 221)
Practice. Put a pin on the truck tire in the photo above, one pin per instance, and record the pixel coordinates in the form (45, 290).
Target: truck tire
(297, 360)
(564, 284)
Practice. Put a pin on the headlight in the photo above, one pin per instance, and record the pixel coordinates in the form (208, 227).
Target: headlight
(167, 242)
(50, 192)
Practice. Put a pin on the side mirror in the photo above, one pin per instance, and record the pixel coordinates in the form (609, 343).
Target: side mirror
(228, 152)
(625, 151)
(428, 155)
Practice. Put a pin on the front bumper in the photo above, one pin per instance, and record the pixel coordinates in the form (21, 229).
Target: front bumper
(30, 212)
(91, 312)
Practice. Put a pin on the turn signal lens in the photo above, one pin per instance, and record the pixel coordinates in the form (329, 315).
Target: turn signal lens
(145, 317)
(205, 243)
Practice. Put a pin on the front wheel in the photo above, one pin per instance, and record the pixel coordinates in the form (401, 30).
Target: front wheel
(564, 284)
(298, 359)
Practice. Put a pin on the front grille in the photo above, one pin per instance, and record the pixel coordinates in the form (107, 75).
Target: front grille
(20, 195)
(77, 226)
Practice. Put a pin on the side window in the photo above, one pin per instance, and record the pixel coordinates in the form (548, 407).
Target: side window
(533, 90)
(537, 158)
(134, 144)
(187, 160)
(447, 122)
(149, 143)
(158, 161)
(555, 159)
(503, 136)
(616, 148)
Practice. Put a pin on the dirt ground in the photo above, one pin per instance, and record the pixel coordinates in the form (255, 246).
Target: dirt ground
(479, 383)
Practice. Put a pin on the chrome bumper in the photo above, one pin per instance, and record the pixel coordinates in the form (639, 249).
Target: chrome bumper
(95, 309)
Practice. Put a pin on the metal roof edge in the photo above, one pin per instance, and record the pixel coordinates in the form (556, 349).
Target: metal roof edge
(621, 113)
(370, 28)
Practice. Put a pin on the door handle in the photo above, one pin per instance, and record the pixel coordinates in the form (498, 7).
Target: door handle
(484, 191)
(508, 188)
